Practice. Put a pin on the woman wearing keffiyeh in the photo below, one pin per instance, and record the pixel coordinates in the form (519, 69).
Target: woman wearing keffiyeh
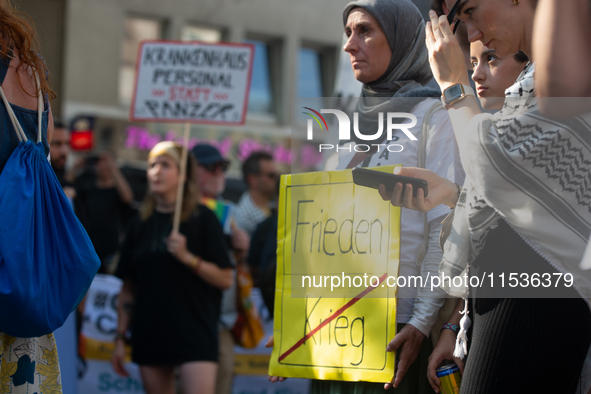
(524, 208)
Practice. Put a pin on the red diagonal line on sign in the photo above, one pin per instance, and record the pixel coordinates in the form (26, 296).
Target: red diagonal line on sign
(348, 305)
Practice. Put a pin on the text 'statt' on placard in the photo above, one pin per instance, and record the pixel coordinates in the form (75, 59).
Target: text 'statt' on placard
(328, 225)
(192, 82)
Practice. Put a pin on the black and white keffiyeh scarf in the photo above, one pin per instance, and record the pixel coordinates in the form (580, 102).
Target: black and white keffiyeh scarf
(531, 171)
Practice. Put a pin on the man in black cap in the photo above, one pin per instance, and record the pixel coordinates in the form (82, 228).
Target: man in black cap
(211, 172)
(211, 178)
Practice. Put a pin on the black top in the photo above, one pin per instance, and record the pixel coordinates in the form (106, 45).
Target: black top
(175, 312)
(61, 177)
(102, 213)
(519, 345)
(506, 255)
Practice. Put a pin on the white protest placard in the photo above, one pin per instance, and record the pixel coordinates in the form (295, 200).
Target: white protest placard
(97, 336)
(194, 82)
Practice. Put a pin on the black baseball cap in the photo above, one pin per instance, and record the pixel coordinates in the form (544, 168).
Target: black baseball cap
(208, 154)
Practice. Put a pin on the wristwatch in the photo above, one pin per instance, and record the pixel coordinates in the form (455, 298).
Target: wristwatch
(455, 93)
(123, 336)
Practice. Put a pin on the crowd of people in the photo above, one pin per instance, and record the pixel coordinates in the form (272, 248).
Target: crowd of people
(511, 162)
(509, 207)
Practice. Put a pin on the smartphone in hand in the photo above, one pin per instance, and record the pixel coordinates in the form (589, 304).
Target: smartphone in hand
(373, 179)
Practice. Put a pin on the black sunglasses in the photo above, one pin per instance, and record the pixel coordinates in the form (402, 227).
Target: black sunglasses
(270, 175)
(452, 15)
(212, 167)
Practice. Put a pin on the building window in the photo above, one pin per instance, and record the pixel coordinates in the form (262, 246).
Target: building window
(196, 33)
(261, 94)
(310, 73)
(136, 30)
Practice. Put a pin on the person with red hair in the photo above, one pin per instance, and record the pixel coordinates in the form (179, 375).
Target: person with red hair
(21, 62)
(28, 364)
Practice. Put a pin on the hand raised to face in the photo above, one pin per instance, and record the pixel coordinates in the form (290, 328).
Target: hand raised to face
(445, 54)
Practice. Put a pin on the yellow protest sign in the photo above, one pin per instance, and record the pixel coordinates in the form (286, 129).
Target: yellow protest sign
(334, 311)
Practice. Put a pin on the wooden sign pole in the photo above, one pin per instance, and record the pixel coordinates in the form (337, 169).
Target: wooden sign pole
(182, 175)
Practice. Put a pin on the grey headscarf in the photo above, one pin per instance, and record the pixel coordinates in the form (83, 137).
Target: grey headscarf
(409, 68)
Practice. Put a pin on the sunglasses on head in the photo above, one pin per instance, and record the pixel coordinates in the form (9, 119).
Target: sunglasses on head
(452, 15)
(212, 167)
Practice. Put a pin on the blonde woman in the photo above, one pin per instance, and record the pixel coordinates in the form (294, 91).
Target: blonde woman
(170, 300)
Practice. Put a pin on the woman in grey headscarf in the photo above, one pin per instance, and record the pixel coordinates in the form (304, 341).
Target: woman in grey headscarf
(390, 57)
(386, 45)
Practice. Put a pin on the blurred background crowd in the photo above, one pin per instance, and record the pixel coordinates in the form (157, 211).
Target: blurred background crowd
(107, 165)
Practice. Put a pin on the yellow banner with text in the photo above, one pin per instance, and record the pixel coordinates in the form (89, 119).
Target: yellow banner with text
(334, 313)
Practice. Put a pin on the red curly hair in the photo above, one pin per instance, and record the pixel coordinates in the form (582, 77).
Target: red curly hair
(17, 31)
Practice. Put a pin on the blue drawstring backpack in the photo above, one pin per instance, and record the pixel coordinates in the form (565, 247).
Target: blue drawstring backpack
(47, 261)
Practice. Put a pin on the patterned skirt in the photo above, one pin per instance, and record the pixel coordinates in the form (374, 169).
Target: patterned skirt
(29, 365)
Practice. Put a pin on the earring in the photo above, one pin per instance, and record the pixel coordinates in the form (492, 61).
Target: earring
(516, 2)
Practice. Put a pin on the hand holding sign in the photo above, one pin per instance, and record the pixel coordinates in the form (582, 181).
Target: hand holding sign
(269, 344)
